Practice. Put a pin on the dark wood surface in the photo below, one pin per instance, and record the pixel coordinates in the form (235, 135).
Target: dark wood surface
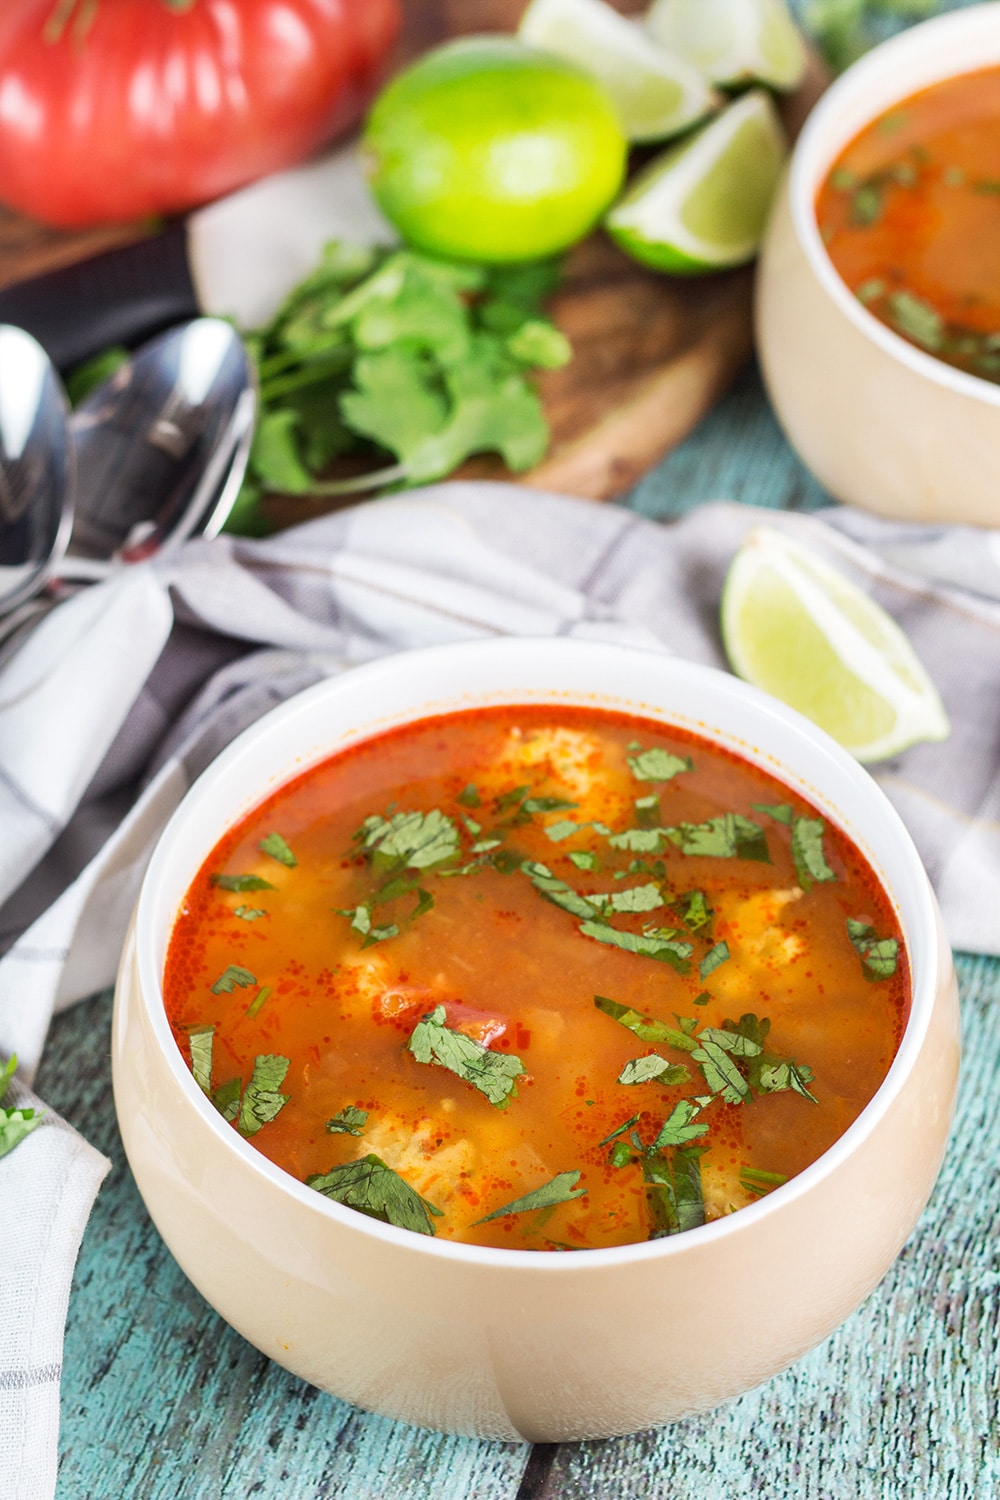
(652, 354)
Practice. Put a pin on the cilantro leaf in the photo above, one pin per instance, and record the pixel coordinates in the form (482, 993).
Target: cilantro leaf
(640, 840)
(241, 883)
(637, 898)
(492, 1073)
(879, 956)
(226, 1098)
(200, 1041)
(584, 859)
(645, 1069)
(657, 1033)
(713, 958)
(262, 1101)
(619, 1130)
(658, 765)
(658, 943)
(724, 837)
(781, 812)
(563, 829)
(721, 1073)
(469, 796)
(373, 1188)
(411, 840)
(274, 847)
(231, 977)
(694, 910)
(249, 913)
(15, 1122)
(674, 1192)
(807, 852)
(557, 891)
(559, 1190)
(350, 1120)
(679, 1127)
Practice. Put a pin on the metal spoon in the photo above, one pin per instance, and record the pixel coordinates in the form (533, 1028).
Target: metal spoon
(36, 469)
(161, 448)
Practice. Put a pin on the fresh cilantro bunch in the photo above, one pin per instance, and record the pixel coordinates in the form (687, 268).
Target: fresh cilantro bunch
(15, 1123)
(844, 29)
(404, 364)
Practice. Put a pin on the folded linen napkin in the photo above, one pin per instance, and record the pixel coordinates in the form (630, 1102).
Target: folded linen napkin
(126, 691)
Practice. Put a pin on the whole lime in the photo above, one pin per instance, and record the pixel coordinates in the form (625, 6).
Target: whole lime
(487, 149)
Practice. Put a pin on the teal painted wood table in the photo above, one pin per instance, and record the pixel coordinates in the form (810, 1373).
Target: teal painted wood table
(162, 1401)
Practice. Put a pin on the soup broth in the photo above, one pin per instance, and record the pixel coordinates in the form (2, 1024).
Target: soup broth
(538, 978)
(910, 215)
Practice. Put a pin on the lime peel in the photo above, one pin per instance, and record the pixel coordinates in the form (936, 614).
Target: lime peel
(797, 628)
(702, 205)
(657, 92)
(733, 41)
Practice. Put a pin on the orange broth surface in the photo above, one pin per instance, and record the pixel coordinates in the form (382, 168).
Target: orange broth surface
(507, 960)
(910, 215)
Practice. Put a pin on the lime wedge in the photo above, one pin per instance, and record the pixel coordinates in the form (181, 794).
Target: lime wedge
(655, 92)
(702, 205)
(732, 41)
(800, 630)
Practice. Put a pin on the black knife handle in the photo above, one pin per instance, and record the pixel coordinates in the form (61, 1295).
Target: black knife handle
(121, 296)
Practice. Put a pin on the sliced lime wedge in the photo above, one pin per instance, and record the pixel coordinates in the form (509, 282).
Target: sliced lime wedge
(702, 205)
(655, 92)
(732, 41)
(797, 628)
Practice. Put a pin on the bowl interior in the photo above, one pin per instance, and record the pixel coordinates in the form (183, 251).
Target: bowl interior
(374, 698)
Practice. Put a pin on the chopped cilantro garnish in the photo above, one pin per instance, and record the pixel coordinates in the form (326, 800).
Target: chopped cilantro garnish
(658, 765)
(15, 1122)
(226, 1098)
(231, 977)
(469, 796)
(781, 812)
(559, 1190)
(720, 1071)
(727, 836)
(200, 1041)
(759, 1183)
(879, 956)
(409, 840)
(261, 1098)
(694, 910)
(563, 829)
(620, 1154)
(492, 1073)
(673, 1187)
(637, 898)
(274, 847)
(350, 1120)
(679, 1127)
(645, 1069)
(713, 958)
(249, 913)
(241, 883)
(619, 1130)
(535, 805)
(584, 859)
(807, 852)
(557, 891)
(376, 1190)
(258, 1000)
(657, 1033)
(640, 840)
(654, 942)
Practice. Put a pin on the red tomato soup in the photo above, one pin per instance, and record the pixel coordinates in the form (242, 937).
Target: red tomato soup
(910, 215)
(539, 978)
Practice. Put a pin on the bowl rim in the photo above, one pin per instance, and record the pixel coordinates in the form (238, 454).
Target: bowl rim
(143, 981)
(821, 141)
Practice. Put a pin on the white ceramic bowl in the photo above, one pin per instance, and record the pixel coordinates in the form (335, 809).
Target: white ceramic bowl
(515, 1344)
(881, 423)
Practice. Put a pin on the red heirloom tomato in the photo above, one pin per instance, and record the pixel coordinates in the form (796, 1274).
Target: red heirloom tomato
(116, 109)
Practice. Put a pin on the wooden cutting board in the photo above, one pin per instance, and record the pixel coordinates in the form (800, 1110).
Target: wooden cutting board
(651, 353)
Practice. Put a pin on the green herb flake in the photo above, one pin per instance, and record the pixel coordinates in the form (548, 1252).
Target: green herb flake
(15, 1122)
(657, 943)
(640, 840)
(879, 956)
(655, 1033)
(410, 840)
(376, 1190)
(867, 203)
(469, 796)
(492, 1073)
(674, 1191)
(843, 181)
(807, 851)
(893, 122)
(728, 836)
(564, 828)
(200, 1042)
(350, 1120)
(869, 291)
(241, 883)
(701, 999)
(561, 1189)
(262, 1101)
(781, 812)
(759, 1183)
(231, 977)
(584, 859)
(620, 1154)
(679, 1127)
(226, 1098)
(259, 1000)
(916, 320)
(645, 1069)
(694, 909)
(713, 958)
(557, 891)
(620, 1130)
(637, 898)
(249, 913)
(658, 765)
(274, 847)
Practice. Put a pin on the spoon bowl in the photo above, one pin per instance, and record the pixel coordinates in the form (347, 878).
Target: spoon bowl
(36, 469)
